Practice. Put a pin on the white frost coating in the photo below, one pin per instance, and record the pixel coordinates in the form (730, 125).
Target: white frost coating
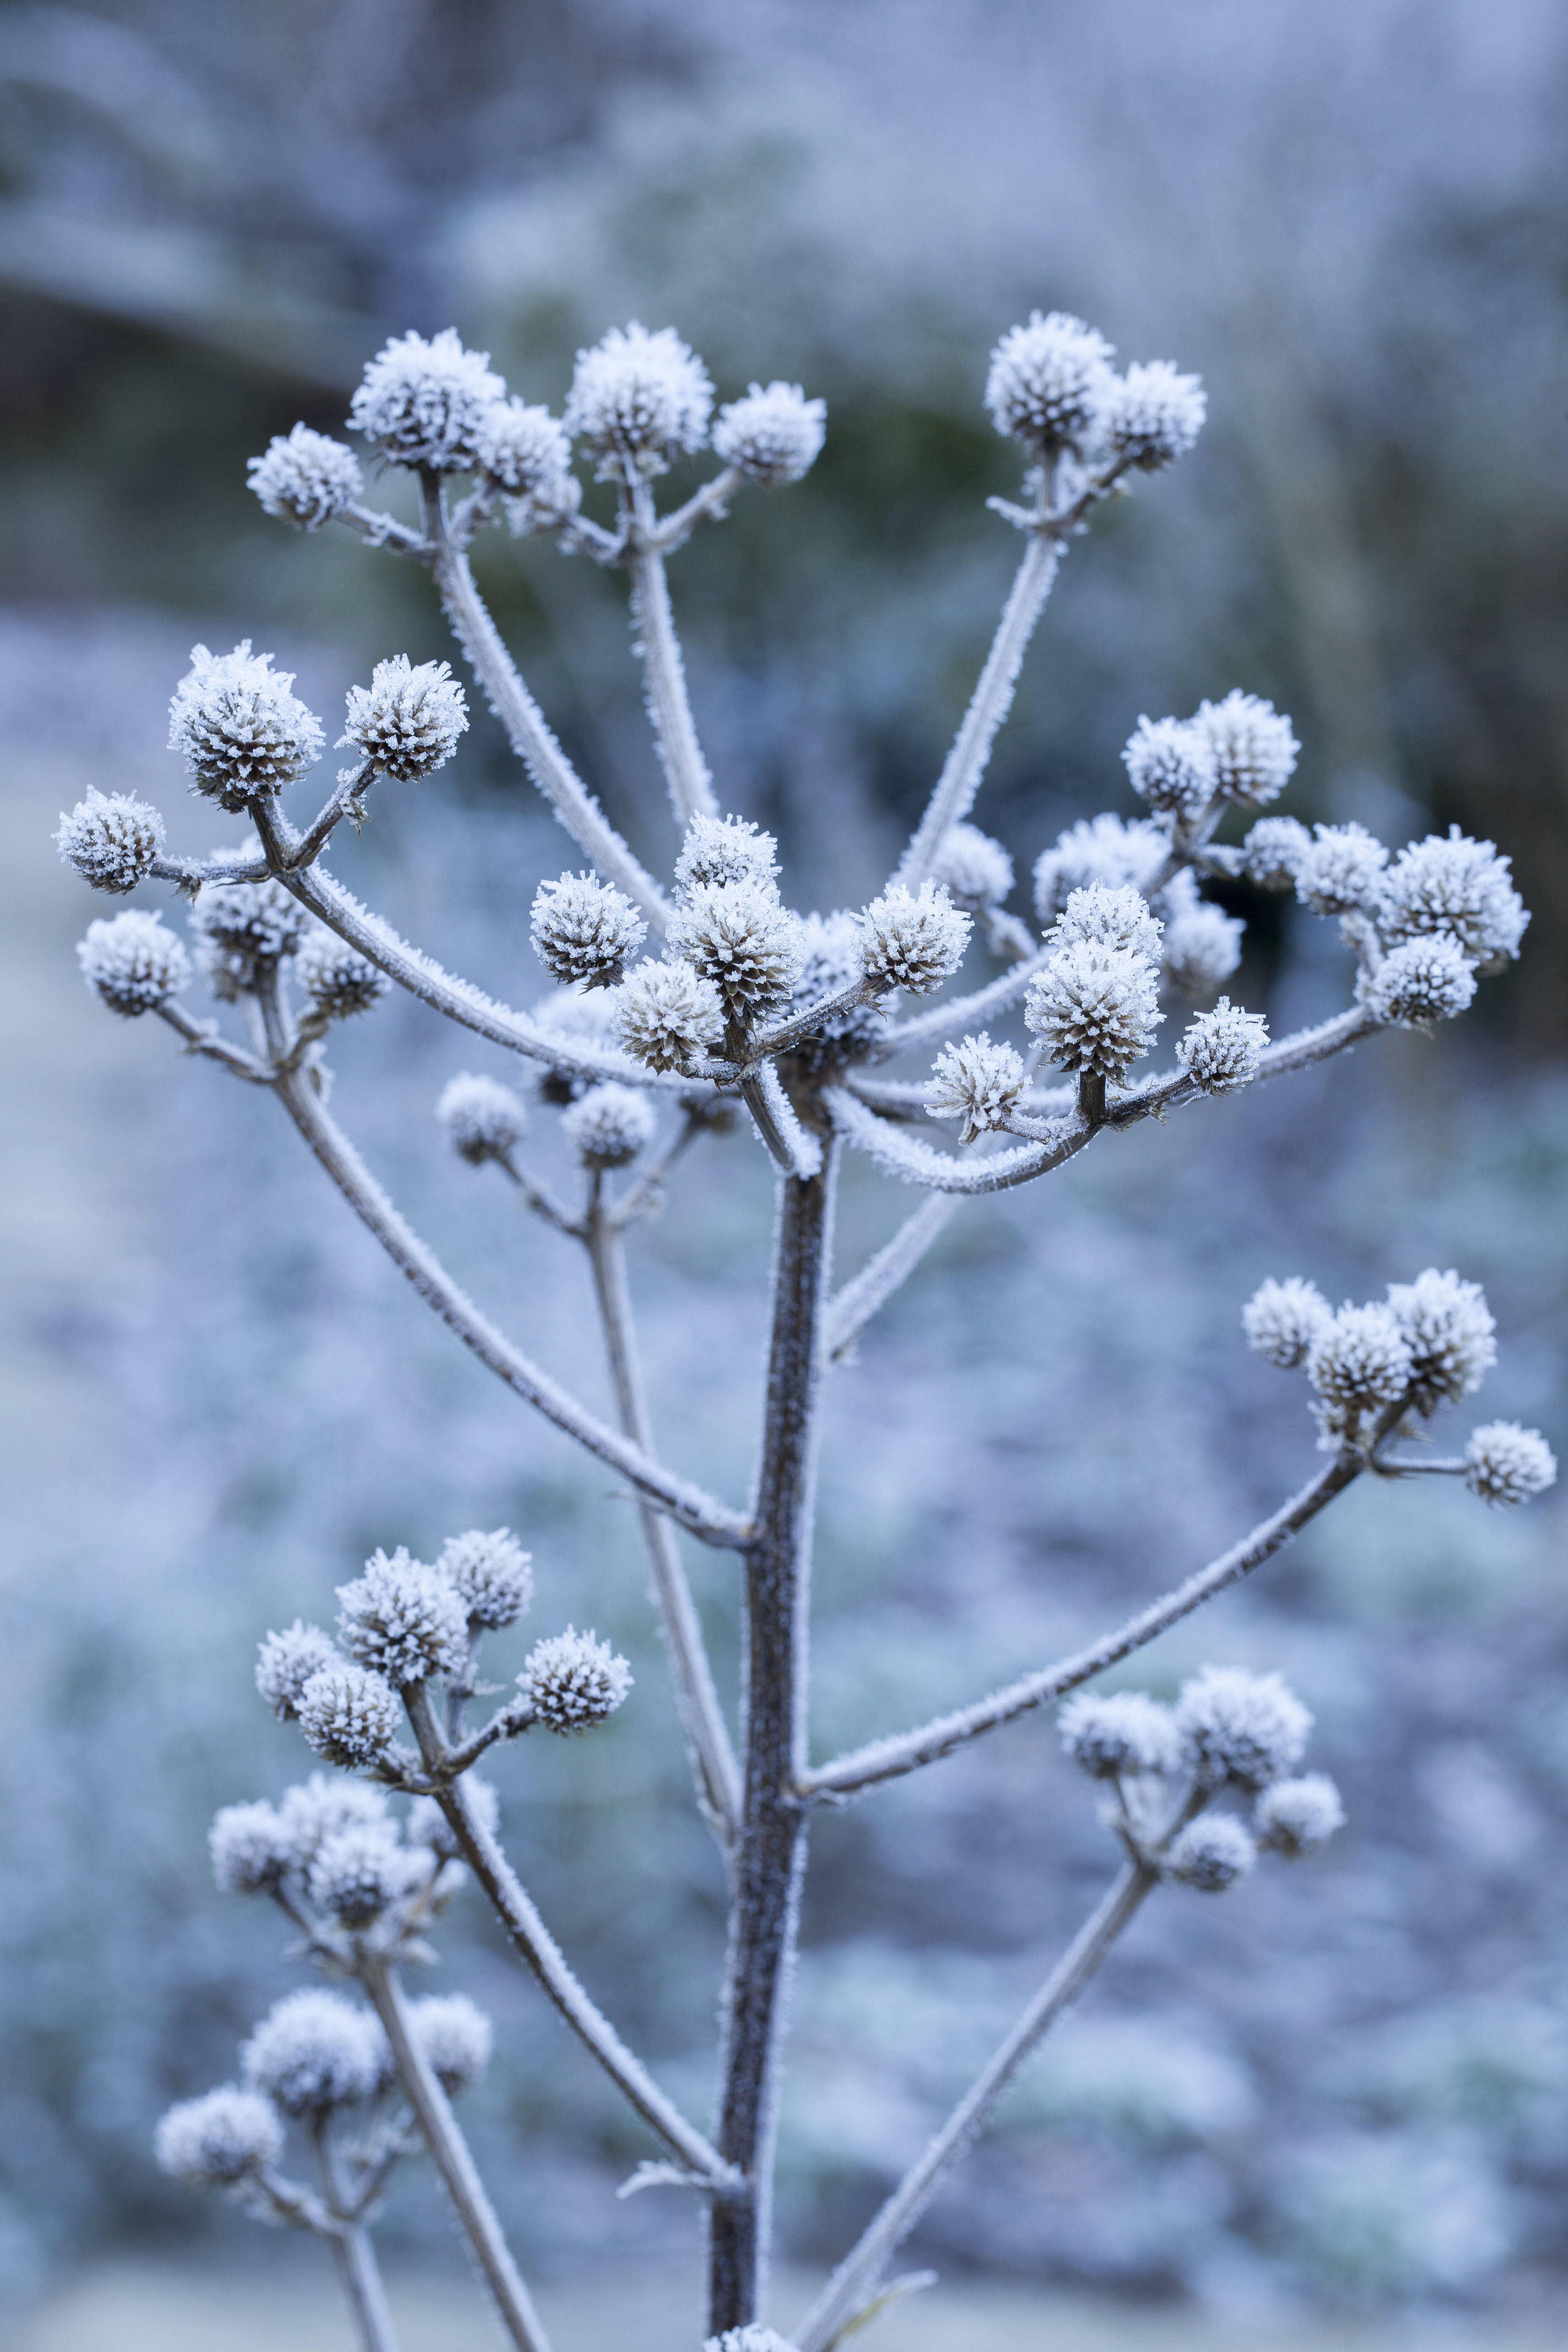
(737, 935)
(1170, 764)
(1222, 1049)
(1282, 1319)
(1297, 1818)
(1155, 414)
(1449, 1328)
(913, 940)
(349, 1716)
(1202, 948)
(133, 964)
(1094, 1008)
(773, 435)
(582, 930)
(1211, 1854)
(1273, 850)
(1505, 1464)
(454, 2035)
(481, 1118)
(241, 732)
(403, 1619)
(1098, 916)
(1123, 1735)
(219, 2140)
(573, 1680)
(493, 1575)
(305, 477)
(975, 871)
(899, 1153)
(725, 849)
(1241, 1727)
(609, 1125)
(1050, 385)
(427, 404)
(406, 722)
(1252, 745)
(639, 401)
(1451, 886)
(1108, 849)
(1338, 871)
(313, 2051)
(668, 1015)
(111, 839)
(1359, 1358)
(977, 1082)
(1419, 983)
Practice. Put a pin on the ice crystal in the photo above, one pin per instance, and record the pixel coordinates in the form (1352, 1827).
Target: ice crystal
(1456, 888)
(426, 405)
(406, 722)
(1297, 1818)
(1153, 415)
(403, 1619)
(667, 1015)
(305, 477)
(1359, 1357)
(241, 731)
(975, 871)
(1254, 749)
(313, 2051)
(338, 981)
(1448, 1327)
(349, 1716)
(1050, 385)
(1211, 1854)
(1240, 1726)
(912, 941)
(725, 849)
(1170, 764)
(773, 435)
(585, 930)
(639, 401)
(111, 839)
(1120, 1736)
(493, 1575)
(131, 962)
(609, 1125)
(1222, 1049)
(1420, 982)
(1095, 1008)
(481, 1118)
(573, 1680)
(219, 2140)
(1505, 1464)
(1282, 1319)
(454, 2035)
(737, 935)
(1337, 873)
(977, 1082)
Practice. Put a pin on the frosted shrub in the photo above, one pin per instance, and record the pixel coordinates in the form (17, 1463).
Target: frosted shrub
(697, 1008)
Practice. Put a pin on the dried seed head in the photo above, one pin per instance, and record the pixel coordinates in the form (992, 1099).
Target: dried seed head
(1100, 916)
(132, 963)
(1273, 850)
(482, 1119)
(737, 935)
(573, 1680)
(305, 477)
(772, 436)
(492, 1574)
(1050, 385)
(1359, 1357)
(403, 1619)
(527, 454)
(975, 871)
(317, 1809)
(1119, 1736)
(336, 979)
(406, 722)
(221, 2140)
(361, 1872)
(912, 941)
(313, 2052)
(1170, 764)
(639, 400)
(1296, 1818)
(239, 928)
(725, 849)
(1282, 1319)
(1419, 983)
(240, 730)
(111, 839)
(1254, 749)
(1505, 1464)
(1240, 1726)
(426, 405)
(609, 1125)
(1095, 1008)
(977, 1082)
(585, 930)
(454, 2035)
(1202, 948)
(1211, 1854)
(1453, 888)
(1449, 1328)
(666, 1015)
(1339, 870)
(1105, 849)
(349, 1717)
(1155, 414)
(250, 1849)
(1222, 1049)
(831, 963)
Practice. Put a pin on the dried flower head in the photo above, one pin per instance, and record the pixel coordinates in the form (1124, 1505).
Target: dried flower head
(1211, 1854)
(831, 963)
(609, 1125)
(428, 404)
(1253, 750)
(975, 871)
(573, 1680)
(1505, 1464)
(250, 1848)
(1095, 1007)
(725, 849)
(1119, 1736)
(1456, 888)
(240, 730)
(349, 1717)
(639, 401)
(336, 979)
(361, 1872)
(1419, 983)
(1155, 414)
(1273, 850)
(1170, 764)
(1449, 1328)
(1339, 870)
(1050, 385)
(527, 453)
(1297, 1818)
(131, 962)
(772, 435)
(1108, 849)
(481, 1118)
(585, 930)
(403, 1619)
(1282, 1319)
(667, 1015)
(1359, 1357)
(454, 2035)
(240, 928)
(111, 839)
(492, 1574)
(737, 935)
(1240, 1726)
(912, 941)
(977, 1082)
(1098, 916)
(313, 2051)
(305, 477)
(1202, 948)
(1222, 1049)
(406, 722)
(220, 2140)
(317, 1809)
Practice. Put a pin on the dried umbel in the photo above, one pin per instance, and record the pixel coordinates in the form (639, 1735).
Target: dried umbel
(1153, 415)
(1241, 1727)
(1051, 385)
(1095, 1009)
(1453, 887)
(976, 1082)
(639, 401)
(313, 2051)
(491, 1575)
(913, 940)
(772, 436)
(975, 871)
(481, 1118)
(406, 722)
(1211, 1854)
(1170, 764)
(111, 839)
(609, 1125)
(1505, 1464)
(403, 1619)
(1252, 746)
(336, 980)
(1419, 983)
(573, 1680)
(1121, 1736)
(584, 931)
(1222, 1049)
(305, 477)
(242, 732)
(668, 1015)
(133, 964)
(221, 2140)
(737, 935)
(426, 405)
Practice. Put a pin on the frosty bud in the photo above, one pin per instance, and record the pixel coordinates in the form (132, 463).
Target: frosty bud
(1170, 764)
(573, 1680)
(317, 1809)
(491, 1575)
(241, 732)
(359, 1873)
(482, 1119)
(313, 2052)
(1253, 748)
(221, 2140)
(1050, 385)
(1273, 850)
(285, 1662)
(1095, 1008)
(1359, 1357)
(454, 2035)
(1202, 948)
(1155, 414)
(585, 930)
(250, 1849)
(336, 979)
(305, 477)
(913, 943)
(609, 1125)
(977, 1082)
(975, 871)
(1211, 1854)
(1453, 888)
(403, 1619)
(737, 935)
(772, 436)
(1222, 1049)
(1419, 983)
(528, 456)
(349, 1717)
(1296, 1818)
(427, 404)
(1282, 1319)
(725, 849)
(428, 1825)
(1449, 1328)
(1505, 1464)
(132, 963)
(830, 963)
(111, 839)
(406, 722)
(1241, 1727)
(1100, 916)
(1096, 849)
(639, 400)
(666, 1015)
(1338, 871)
(1119, 1736)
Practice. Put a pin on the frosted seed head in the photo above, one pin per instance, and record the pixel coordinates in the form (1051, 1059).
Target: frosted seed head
(454, 2035)
(772, 435)
(1153, 415)
(1419, 983)
(1253, 750)
(111, 839)
(428, 404)
(305, 477)
(912, 940)
(1273, 850)
(573, 1680)
(1119, 1736)
(241, 732)
(830, 962)
(361, 1872)
(1095, 1008)
(317, 1809)
(1456, 888)
(725, 849)
(1282, 1320)
(975, 871)
(1211, 1854)
(336, 980)
(219, 2141)
(639, 401)
(403, 1619)
(349, 1717)
(1113, 917)
(977, 1082)
(481, 1118)
(584, 1020)
(1505, 1464)
(585, 930)
(667, 1015)
(1050, 385)
(250, 1849)
(1222, 1049)
(609, 1125)
(428, 1825)
(1449, 1328)
(406, 722)
(240, 928)
(737, 935)
(491, 1575)
(1108, 849)
(1296, 1818)
(527, 455)
(313, 2052)
(1338, 871)
(1361, 1357)
(1202, 948)
(132, 963)
(1170, 764)
(1240, 1726)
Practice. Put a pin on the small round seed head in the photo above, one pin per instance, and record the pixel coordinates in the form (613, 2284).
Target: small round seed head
(428, 404)
(132, 963)
(737, 935)
(1240, 1726)
(336, 979)
(975, 871)
(349, 1717)
(1296, 1818)
(1282, 1319)
(1119, 1736)
(454, 2035)
(977, 1082)
(317, 1809)
(830, 962)
(667, 1015)
(492, 1574)
(313, 2051)
(1095, 1008)
(221, 2140)
(1253, 750)
(1100, 916)
(428, 1825)
(1339, 870)
(772, 436)
(1155, 414)
(111, 839)
(1211, 1854)
(403, 1619)
(1170, 764)
(725, 849)
(250, 1849)
(1455, 889)
(585, 930)
(1105, 849)
(912, 941)
(406, 722)
(305, 477)
(1050, 385)
(1222, 1049)
(361, 1872)
(609, 1125)
(481, 1118)
(1202, 948)
(584, 1022)
(1505, 1464)
(753, 2338)
(240, 730)
(238, 929)
(639, 400)
(1273, 850)
(1419, 983)
(1449, 1328)
(527, 454)
(573, 1680)
(1359, 1357)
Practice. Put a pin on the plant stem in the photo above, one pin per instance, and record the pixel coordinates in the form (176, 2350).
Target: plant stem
(664, 672)
(361, 2275)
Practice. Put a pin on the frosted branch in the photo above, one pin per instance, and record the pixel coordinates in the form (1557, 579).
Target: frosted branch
(900, 1155)
(792, 1149)
(664, 672)
(870, 1289)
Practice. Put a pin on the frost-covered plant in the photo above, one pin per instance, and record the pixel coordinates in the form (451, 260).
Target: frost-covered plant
(748, 1014)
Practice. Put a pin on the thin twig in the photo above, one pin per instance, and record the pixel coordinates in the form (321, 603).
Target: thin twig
(664, 672)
